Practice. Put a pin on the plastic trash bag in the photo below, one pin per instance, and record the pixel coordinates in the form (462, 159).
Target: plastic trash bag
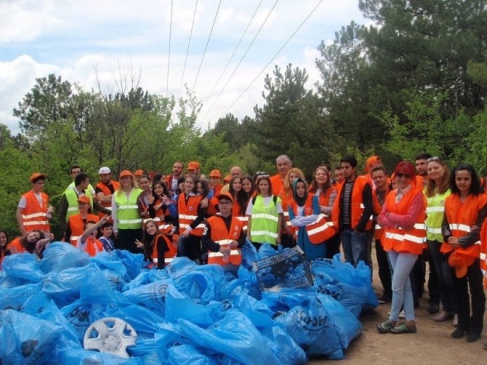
(7, 281)
(180, 266)
(249, 254)
(308, 323)
(201, 284)
(14, 298)
(188, 355)
(86, 357)
(133, 262)
(61, 255)
(23, 266)
(179, 305)
(25, 339)
(152, 296)
(234, 336)
(146, 277)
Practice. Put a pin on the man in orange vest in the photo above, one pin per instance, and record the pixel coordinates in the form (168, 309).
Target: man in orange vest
(284, 164)
(34, 211)
(105, 188)
(352, 212)
(223, 234)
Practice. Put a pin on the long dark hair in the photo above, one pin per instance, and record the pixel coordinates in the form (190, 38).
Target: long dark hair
(475, 188)
(314, 185)
(165, 190)
(241, 195)
(4, 250)
(149, 240)
(31, 246)
(431, 187)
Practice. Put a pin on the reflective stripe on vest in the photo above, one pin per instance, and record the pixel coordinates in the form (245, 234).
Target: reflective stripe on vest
(265, 216)
(36, 223)
(439, 209)
(408, 237)
(433, 230)
(219, 254)
(34, 215)
(244, 220)
(460, 227)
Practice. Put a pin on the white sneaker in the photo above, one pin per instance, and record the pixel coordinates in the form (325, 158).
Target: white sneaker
(402, 315)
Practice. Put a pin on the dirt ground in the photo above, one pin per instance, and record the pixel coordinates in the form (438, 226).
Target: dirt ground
(431, 345)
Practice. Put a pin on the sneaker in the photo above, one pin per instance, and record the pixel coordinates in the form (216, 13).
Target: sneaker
(384, 299)
(386, 326)
(458, 333)
(404, 328)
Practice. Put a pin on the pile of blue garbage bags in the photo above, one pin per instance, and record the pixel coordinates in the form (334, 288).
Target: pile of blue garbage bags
(184, 314)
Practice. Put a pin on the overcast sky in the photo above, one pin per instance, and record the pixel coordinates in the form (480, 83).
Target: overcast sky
(73, 38)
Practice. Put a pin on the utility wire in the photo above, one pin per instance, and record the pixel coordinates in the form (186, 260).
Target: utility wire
(169, 54)
(187, 49)
(231, 57)
(272, 59)
(250, 45)
(207, 42)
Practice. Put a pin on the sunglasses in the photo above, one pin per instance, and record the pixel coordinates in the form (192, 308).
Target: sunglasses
(434, 158)
(401, 175)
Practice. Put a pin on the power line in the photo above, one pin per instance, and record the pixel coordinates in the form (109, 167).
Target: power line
(207, 42)
(187, 49)
(250, 45)
(231, 57)
(169, 54)
(272, 59)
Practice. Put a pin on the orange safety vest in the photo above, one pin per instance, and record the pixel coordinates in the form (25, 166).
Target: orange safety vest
(93, 246)
(221, 235)
(357, 205)
(318, 231)
(462, 217)
(409, 240)
(378, 230)
(106, 191)
(188, 212)
(16, 247)
(483, 252)
(237, 212)
(76, 224)
(276, 183)
(33, 215)
(160, 219)
(211, 210)
(168, 256)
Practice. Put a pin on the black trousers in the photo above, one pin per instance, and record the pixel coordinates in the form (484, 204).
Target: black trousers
(384, 269)
(333, 246)
(126, 240)
(190, 247)
(474, 280)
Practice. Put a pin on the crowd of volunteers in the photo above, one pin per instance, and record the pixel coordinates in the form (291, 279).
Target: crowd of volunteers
(419, 213)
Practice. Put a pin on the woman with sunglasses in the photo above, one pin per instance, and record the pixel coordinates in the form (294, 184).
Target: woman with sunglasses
(402, 218)
(265, 215)
(465, 212)
(436, 191)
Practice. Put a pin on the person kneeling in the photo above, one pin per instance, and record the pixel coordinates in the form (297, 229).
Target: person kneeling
(223, 234)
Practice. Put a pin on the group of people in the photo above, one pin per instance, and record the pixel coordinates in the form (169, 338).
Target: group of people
(418, 212)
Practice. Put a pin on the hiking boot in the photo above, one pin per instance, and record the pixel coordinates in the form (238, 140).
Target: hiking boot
(386, 326)
(404, 328)
(433, 308)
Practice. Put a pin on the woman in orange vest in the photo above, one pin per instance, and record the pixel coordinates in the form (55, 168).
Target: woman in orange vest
(4, 250)
(286, 195)
(191, 216)
(322, 187)
(465, 213)
(35, 242)
(155, 245)
(76, 223)
(87, 241)
(312, 229)
(402, 218)
(145, 197)
(162, 208)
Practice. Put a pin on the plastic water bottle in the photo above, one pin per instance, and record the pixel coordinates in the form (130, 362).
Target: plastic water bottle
(226, 256)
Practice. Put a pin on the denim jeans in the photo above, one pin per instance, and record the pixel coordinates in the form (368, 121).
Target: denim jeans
(402, 295)
(354, 246)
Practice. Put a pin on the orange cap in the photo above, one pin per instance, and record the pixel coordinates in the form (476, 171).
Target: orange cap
(460, 262)
(139, 173)
(125, 173)
(227, 179)
(84, 199)
(371, 161)
(36, 175)
(215, 173)
(193, 165)
(225, 195)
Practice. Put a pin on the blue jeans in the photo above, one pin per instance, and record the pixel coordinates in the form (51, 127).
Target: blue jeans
(402, 295)
(354, 246)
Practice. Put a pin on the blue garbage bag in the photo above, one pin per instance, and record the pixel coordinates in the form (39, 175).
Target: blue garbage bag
(180, 266)
(201, 284)
(84, 357)
(152, 296)
(188, 355)
(25, 339)
(145, 277)
(64, 287)
(308, 323)
(14, 298)
(61, 255)
(249, 254)
(234, 336)
(7, 281)
(24, 266)
(349, 285)
(133, 262)
(168, 336)
(179, 305)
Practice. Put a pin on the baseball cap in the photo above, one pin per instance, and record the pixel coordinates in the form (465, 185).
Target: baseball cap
(37, 175)
(125, 173)
(84, 199)
(227, 179)
(225, 195)
(193, 165)
(139, 173)
(372, 160)
(104, 170)
(215, 173)
(460, 263)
